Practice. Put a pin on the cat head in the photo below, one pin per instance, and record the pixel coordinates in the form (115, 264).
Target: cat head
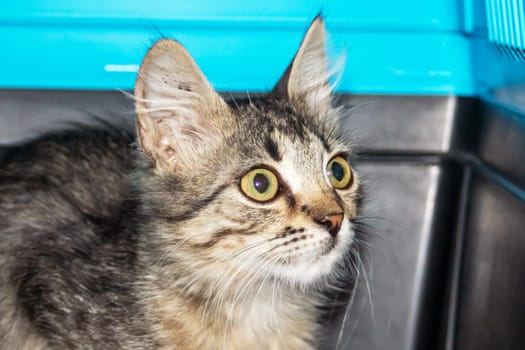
(259, 189)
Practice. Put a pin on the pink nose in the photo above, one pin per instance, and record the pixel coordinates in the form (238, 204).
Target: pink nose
(332, 223)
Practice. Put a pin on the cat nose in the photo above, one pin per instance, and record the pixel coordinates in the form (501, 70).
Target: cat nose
(332, 223)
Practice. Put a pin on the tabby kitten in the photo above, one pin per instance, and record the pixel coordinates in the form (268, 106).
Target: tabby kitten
(221, 231)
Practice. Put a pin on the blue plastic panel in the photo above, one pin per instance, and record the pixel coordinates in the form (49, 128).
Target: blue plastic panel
(403, 46)
(373, 14)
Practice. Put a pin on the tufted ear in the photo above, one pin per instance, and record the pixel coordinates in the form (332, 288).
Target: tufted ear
(305, 82)
(179, 115)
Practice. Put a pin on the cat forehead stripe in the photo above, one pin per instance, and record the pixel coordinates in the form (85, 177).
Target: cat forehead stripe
(272, 149)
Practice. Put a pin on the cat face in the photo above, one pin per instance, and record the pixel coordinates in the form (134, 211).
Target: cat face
(252, 190)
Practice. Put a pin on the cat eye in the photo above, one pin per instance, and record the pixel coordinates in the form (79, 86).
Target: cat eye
(339, 173)
(260, 184)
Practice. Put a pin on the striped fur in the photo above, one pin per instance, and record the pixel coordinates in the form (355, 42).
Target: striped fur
(103, 246)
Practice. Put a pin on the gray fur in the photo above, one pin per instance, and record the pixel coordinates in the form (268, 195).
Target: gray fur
(68, 256)
(104, 245)
(69, 227)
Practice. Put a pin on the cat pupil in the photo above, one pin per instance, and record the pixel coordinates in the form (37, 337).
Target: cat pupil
(260, 182)
(338, 171)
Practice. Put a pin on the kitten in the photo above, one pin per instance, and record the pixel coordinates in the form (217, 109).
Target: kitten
(221, 231)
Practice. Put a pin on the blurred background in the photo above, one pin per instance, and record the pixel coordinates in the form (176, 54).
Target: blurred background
(436, 96)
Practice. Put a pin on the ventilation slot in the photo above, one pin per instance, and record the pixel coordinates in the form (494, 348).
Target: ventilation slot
(506, 27)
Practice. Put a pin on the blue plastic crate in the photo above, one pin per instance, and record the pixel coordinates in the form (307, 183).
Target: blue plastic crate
(395, 47)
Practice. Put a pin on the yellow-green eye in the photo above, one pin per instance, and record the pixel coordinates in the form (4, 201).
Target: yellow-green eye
(339, 173)
(260, 184)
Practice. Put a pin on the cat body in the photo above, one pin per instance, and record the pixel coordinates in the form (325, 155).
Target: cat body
(221, 229)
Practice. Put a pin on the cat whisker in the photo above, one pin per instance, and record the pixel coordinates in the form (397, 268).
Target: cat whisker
(349, 306)
(368, 287)
(390, 221)
(258, 268)
(249, 98)
(245, 284)
(242, 266)
(364, 224)
(363, 243)
(250, 246)
(260, 272)
(349, 109)
(256, 275)
(275, 291)
(228, 270)
(233, 100)
(386, 247)
(257, 256)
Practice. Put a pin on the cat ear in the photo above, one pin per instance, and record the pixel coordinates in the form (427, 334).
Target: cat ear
(305, 82)
(179, 114)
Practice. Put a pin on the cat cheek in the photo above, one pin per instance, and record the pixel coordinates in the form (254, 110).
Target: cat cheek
(351, 203)
(228, 246)
(235, 242)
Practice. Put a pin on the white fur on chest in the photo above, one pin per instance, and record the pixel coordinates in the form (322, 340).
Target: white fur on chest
(270, 319)
(262, 319)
